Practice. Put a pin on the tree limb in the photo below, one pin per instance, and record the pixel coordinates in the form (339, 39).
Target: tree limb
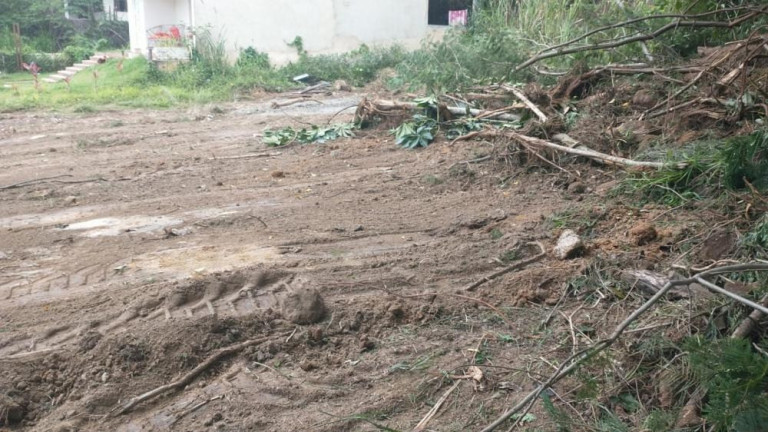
(558, 51)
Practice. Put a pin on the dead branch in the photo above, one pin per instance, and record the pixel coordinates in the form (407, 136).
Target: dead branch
(314, 88)
(289, 102)
(516, 266)
(683, 21)
(748, 325)
(693, 81)
(248, 156)
(641, 19)
(32, 182)
(194, 408)
(435, 408)
(385, 107)
(580, 151)
(189, 376)
(577, 359)
(520, 95)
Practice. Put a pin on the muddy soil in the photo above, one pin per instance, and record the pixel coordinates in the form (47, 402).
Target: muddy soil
(134, 244)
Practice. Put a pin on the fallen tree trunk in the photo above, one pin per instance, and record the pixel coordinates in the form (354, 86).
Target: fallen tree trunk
(390, 107)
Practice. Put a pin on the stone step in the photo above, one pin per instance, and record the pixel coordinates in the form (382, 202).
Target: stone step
(88, 62)
(67, 72)
(74, 68)
(50, 80)
(58, 76)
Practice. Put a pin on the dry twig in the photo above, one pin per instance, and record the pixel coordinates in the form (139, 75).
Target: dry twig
(435, 408)
(577, 359)
(516, 266)
(189, 376)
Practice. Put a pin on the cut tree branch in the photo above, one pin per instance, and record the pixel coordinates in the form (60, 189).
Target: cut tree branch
(561, 50)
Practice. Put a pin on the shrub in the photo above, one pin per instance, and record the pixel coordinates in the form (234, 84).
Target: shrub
(251, 58)
(77, 53)
(357, 67)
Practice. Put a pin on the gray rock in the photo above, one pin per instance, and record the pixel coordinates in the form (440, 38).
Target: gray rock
(303, 306)
(568, 245)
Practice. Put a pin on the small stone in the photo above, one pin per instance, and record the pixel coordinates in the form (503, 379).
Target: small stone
(568, 245)
(358, 228)
(342, 85)
(577, 188)
(21, 385)
(70, 200)
(315, 334)
(307, 365)
(3, 255)
(12, 412)
(643, 233)
(366, 344)
(643, 99)
(278, 174)
(104, 377)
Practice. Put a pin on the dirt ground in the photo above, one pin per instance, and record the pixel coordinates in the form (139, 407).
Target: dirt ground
(146, 240)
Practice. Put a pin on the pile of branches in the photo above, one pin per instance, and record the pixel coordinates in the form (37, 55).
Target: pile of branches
(722, 87)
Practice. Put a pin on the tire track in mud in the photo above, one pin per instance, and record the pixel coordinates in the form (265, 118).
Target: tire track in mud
(231, 292)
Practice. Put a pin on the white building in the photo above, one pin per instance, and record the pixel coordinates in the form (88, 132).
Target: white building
(325, 26)
(116, 10)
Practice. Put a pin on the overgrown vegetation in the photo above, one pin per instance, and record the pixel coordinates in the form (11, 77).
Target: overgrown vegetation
(51, 40)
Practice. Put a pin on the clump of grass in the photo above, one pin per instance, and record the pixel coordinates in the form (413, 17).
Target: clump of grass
(710, 166)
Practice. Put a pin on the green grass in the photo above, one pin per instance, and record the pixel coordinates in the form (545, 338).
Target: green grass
(129, 88)
(16, 77)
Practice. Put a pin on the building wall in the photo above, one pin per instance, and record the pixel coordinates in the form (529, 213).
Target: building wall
(326, 26)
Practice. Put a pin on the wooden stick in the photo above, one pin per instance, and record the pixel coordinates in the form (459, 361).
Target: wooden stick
(288, 102)
(388, 105)
(520, 95)
(189, 376)
(248, 156)
(31, 182)
(513, 267)
(583, 151)
(435, 408)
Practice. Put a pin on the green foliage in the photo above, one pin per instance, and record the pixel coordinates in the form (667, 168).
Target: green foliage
(755, 242)
(417, 133)
(561, 419)
(745, 159)
(461, 59)
(315, 134)
(710, 166)
(74, 53)
(736, 378)
(251, 58)
(357, 67)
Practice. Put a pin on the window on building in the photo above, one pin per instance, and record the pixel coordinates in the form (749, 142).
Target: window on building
(438, 10)
(121, 6)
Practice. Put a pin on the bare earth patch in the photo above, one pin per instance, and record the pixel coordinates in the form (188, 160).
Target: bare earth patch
(144, 241)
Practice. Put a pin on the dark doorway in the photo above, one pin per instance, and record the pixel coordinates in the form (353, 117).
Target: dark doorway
(121, 5)
(438, 10)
